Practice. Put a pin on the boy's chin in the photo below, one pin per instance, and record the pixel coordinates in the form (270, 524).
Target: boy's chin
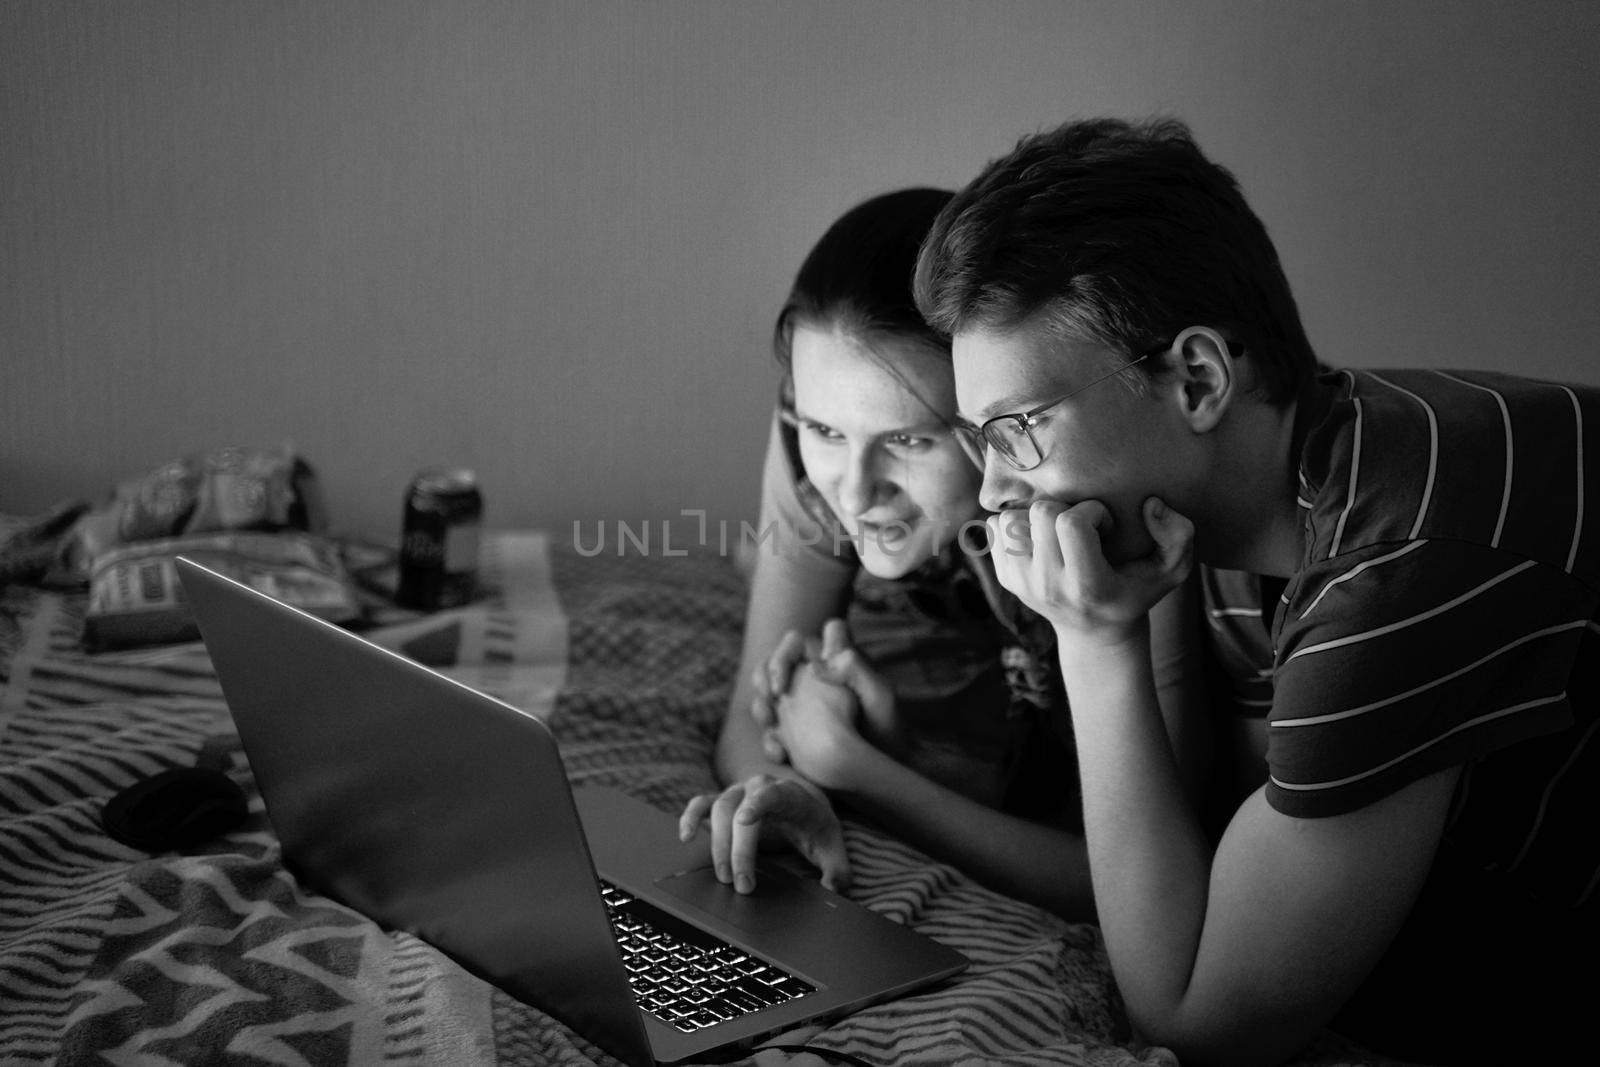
(1126, 543)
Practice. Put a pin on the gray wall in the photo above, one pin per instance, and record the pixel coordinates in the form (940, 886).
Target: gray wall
(547, 239)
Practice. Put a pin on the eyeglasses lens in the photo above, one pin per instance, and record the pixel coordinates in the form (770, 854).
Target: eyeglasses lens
(1012, 440)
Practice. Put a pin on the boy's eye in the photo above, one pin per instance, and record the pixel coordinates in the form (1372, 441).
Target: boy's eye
(911, 441)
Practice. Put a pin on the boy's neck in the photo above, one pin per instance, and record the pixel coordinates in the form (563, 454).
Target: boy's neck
(1255, 523)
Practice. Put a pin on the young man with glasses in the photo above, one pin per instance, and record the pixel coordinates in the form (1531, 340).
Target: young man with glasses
(1401, 575)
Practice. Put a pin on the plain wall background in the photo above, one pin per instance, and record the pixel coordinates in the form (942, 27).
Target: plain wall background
(547, 240)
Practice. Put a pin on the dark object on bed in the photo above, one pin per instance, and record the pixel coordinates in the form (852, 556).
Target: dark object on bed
(175, 809)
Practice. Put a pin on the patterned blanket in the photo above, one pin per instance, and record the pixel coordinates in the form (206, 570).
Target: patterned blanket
(112, 956)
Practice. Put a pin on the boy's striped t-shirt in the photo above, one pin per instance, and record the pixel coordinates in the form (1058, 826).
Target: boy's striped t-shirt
(1445, 614)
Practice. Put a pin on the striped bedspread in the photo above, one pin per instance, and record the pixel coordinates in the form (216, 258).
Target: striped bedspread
(112, 956)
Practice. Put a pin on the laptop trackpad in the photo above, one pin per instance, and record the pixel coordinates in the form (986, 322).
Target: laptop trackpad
(781, 903)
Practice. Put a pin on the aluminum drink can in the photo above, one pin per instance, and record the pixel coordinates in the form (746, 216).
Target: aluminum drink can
(439, 540)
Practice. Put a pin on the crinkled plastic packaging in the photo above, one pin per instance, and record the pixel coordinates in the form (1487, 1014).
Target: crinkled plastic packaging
(135, 597)
(253, 514)
(223, 489)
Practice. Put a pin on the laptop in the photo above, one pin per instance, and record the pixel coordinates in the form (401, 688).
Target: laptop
(433, 808)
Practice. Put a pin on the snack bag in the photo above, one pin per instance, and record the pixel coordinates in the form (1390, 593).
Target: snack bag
(135, 597)
(253, 514)
(224, 489)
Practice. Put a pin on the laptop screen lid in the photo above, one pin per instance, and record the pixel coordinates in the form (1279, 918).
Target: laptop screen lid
(371, 770)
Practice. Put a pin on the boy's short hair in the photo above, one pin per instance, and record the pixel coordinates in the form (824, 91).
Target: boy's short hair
(1117, 233)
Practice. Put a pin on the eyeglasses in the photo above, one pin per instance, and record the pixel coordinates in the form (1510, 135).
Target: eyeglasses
(1012, 435)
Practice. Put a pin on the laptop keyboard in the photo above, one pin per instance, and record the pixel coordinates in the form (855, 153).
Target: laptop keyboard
(686, 977)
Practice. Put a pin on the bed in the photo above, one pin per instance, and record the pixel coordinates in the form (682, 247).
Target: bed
(109, 955)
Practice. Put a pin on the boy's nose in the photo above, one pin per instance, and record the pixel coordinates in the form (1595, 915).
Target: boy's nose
(1002, 487)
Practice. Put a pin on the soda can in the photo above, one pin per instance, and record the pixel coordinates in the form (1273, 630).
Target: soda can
(439, 540)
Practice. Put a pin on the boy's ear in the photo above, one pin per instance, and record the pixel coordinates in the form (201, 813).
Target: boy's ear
(1206, 375)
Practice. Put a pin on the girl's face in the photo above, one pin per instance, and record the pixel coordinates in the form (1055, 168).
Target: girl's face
(877, 445)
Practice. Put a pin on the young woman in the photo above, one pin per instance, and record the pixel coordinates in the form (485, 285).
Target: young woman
(882, 664)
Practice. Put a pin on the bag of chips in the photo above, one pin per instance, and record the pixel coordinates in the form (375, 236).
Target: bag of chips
(135, 597)
(253, 514)
(224, 489)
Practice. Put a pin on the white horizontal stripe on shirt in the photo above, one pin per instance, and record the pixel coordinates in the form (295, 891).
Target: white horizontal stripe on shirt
(1350, 713)
(1380, 768)
(1423, 617)
(1353, 571)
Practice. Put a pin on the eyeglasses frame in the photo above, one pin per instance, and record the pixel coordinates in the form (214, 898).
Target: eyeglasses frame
(976, 439)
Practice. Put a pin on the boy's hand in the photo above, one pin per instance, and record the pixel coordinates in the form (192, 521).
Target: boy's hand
(1050, 556)
(768, 810)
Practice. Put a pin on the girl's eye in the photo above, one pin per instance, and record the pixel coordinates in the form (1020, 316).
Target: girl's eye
(822, 430)
(911, 442)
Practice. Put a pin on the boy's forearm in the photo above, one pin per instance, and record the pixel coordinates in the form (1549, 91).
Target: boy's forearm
(1148, 854)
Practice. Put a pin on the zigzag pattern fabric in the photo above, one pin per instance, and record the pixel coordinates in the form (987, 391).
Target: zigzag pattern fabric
(112, 956)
